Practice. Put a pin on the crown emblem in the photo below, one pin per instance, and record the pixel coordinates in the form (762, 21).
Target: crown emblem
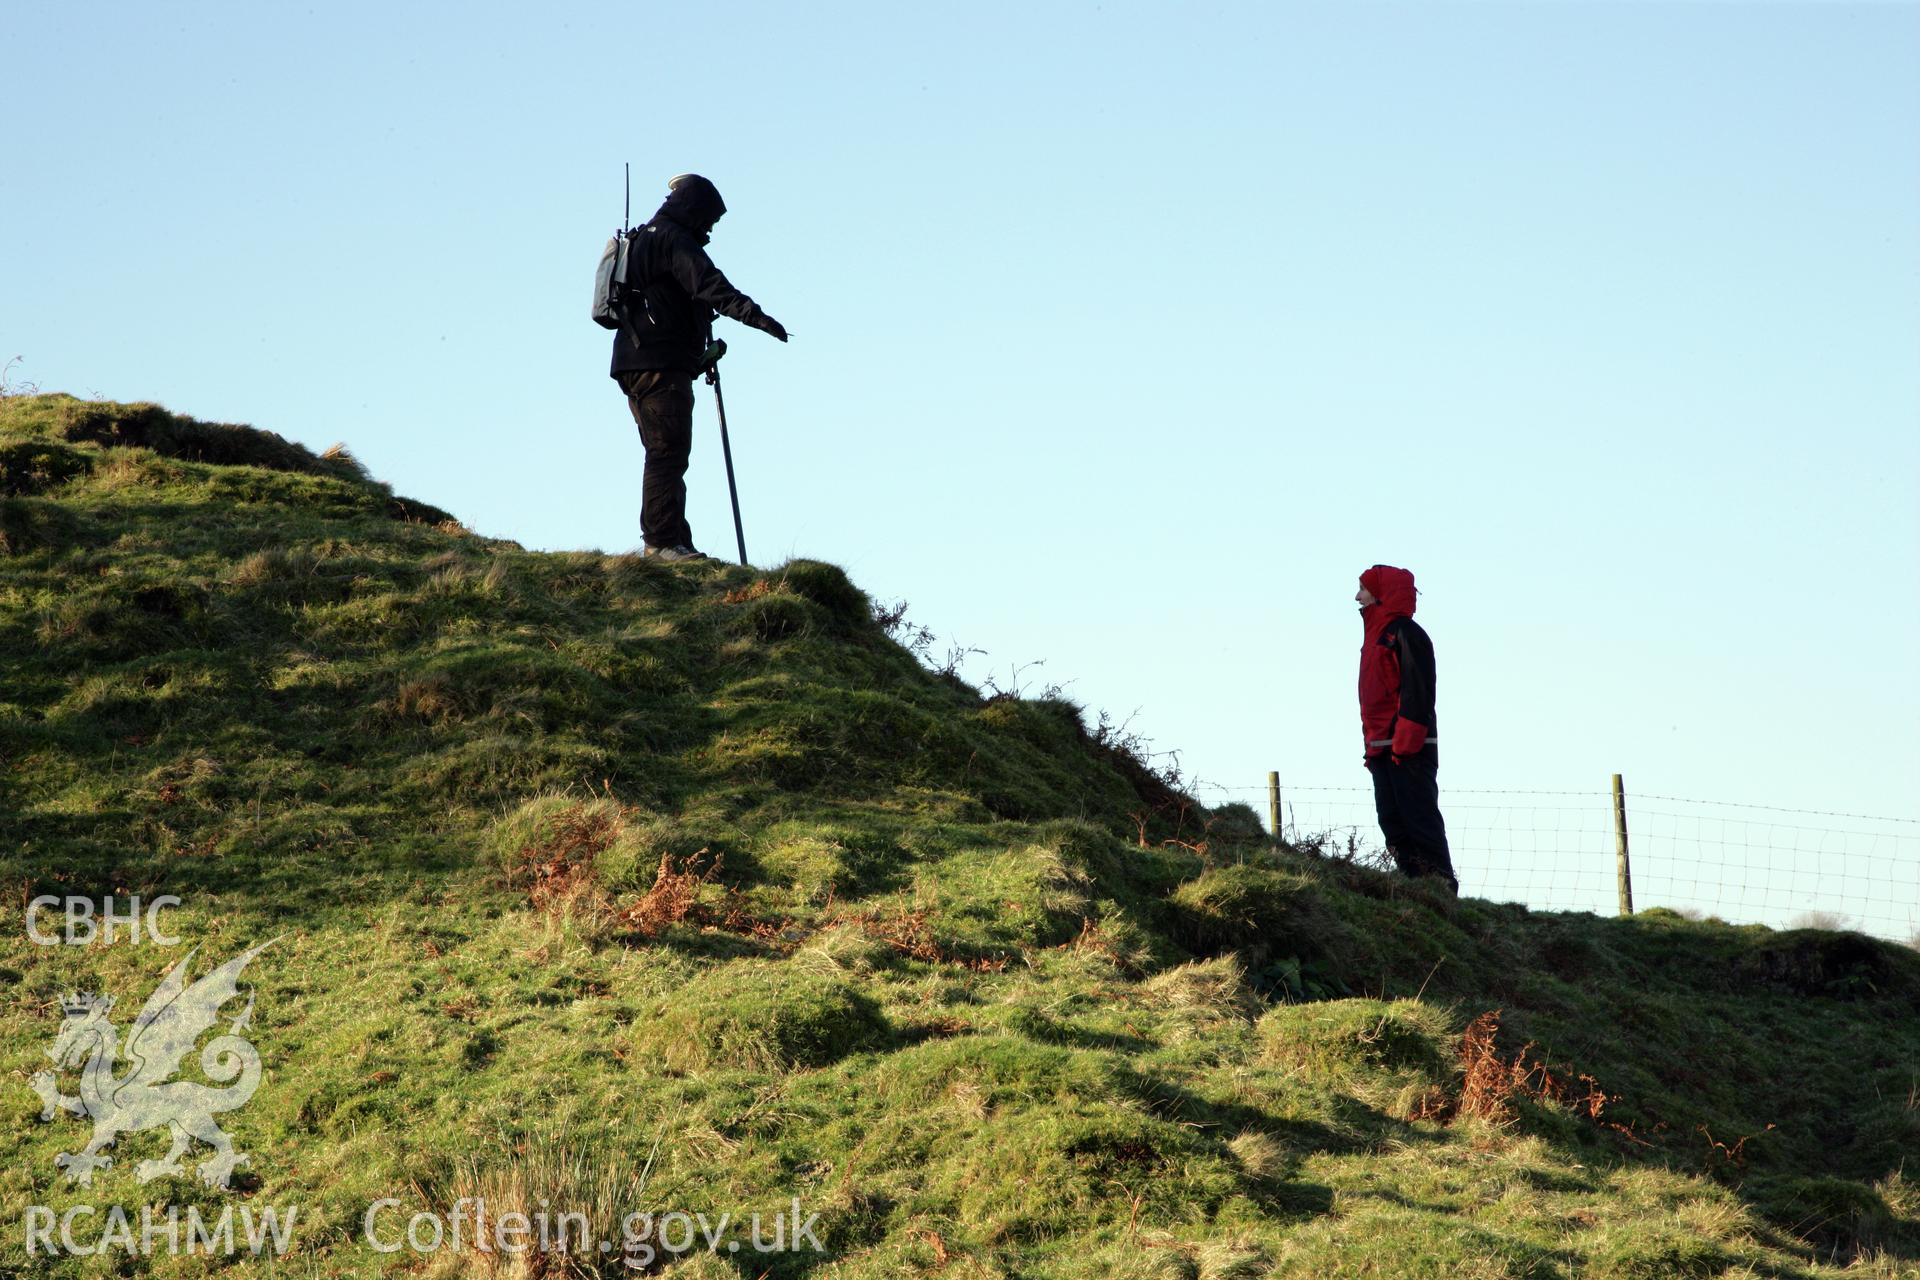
(78, 1004)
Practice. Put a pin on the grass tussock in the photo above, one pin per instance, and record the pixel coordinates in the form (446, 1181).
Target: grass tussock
(756, 1016)
(559, 1189)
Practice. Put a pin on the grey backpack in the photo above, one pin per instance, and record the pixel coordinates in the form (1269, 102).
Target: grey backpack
(610, 282)
(613, 286)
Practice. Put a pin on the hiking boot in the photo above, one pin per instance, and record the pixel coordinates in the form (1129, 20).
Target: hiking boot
(672, 554)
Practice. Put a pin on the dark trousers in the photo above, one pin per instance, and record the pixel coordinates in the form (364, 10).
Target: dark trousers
(662, 405)
(1407, 799)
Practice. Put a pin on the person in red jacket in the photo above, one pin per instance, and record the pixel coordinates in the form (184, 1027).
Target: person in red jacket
(1398, 724)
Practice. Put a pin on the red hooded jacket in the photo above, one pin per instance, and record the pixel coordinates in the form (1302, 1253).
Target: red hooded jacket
(1397, 674)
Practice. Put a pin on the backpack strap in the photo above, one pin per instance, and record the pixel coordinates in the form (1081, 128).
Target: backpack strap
(626, 319)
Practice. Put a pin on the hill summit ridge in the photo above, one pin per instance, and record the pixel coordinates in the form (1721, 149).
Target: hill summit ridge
(577, 856)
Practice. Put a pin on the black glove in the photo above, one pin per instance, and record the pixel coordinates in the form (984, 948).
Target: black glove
(767, 324)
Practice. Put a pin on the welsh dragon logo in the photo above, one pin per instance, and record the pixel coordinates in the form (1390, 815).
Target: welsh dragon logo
(145, 1096)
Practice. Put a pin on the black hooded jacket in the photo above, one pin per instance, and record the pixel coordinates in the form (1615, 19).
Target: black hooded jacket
(674, 287)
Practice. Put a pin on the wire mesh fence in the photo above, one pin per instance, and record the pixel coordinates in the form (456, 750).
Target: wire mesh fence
(1555, 850)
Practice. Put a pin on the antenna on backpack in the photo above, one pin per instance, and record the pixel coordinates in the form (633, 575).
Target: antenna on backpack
(626, 210)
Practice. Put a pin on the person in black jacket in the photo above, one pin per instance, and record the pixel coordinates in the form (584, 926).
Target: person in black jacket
(1399, 726)
(675, 292)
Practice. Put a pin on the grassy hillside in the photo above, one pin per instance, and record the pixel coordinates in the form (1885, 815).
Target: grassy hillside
(611, 886)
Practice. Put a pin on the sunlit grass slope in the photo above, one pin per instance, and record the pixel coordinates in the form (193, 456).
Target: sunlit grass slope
(576, 859)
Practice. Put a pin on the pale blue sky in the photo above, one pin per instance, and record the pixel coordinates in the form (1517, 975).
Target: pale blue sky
(1126, 334)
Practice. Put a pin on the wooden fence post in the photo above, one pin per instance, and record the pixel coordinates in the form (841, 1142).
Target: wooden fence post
(1622, 868)
(1273, 802)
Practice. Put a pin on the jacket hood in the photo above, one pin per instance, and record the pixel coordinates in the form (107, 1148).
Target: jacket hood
(1393, 588)
(693, 202)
